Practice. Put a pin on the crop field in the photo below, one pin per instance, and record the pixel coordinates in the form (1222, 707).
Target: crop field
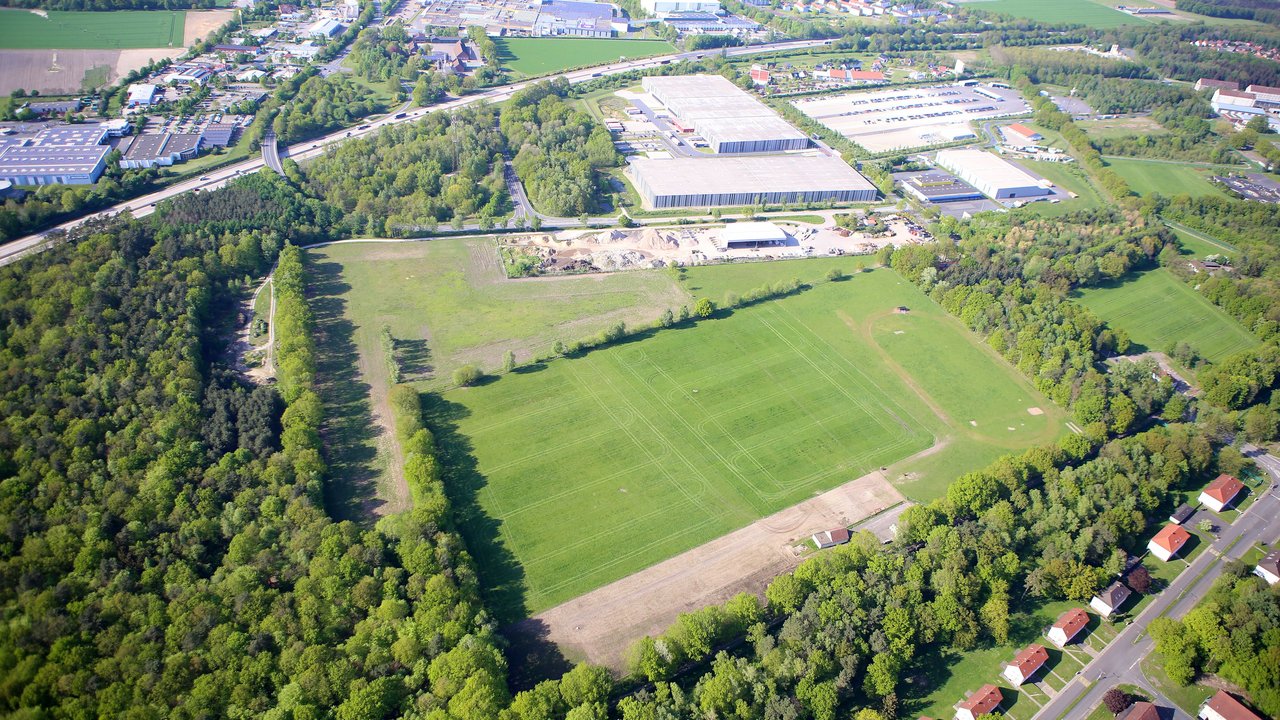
(121, 29)
(1085, 12)
(541, 56)
(585, 470)
(1167, 178)
(1158, 310)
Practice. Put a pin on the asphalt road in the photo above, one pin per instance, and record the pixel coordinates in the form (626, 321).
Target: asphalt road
(145, 205)
(1120, 661)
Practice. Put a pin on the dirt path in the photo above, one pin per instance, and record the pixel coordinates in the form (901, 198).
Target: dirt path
(393, 490)
(602, 625)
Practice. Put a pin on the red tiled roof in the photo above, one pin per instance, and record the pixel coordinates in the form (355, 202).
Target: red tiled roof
(1172, 538)
(1072, 622)
(1236, 94)
(1022, 130)
(1141, 710)
(1030, 659)
(1224, 488)
(987, 698)
(865, 75)
(1230, 708)
(1266, 89)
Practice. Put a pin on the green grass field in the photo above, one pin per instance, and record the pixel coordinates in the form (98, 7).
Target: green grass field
(542, 56)
(1085, 12)
(1198, 245)
(1068, 176)
(585, 470)
(1167, 178)
(1158, 310)
(121, 29)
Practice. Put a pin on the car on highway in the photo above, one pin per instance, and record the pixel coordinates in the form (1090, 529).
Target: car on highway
(204, 177)
(399, 115)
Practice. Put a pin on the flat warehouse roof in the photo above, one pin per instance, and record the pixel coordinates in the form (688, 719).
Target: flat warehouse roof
(991, 169)
(692, 86)
(757, 174)
(46, 160)
(770, 127)
(696, 108)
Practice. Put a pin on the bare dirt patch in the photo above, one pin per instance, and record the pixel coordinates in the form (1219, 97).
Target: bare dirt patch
(1035, 411)
(601, 626)
(200, 23)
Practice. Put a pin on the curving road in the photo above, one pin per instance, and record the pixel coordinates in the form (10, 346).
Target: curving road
(145, 205)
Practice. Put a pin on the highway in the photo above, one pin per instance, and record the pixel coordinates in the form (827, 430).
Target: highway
(1120, 662)
(145, 205)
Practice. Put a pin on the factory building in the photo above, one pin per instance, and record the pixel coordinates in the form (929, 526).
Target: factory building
(994, 177)
(577, 19)
(736, 181)
(53, 164)
(730, 120)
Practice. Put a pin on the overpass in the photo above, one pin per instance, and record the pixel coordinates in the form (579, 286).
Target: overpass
(271, 153)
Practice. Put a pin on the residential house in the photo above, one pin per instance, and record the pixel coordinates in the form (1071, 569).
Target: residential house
(1218, 494)
(1166, 544)
(1269, 567)
(1110, 600)
(1068, 626)
(831, 538)
(1141, 710)
(1026, 664)
(985, 701)
(1224, 707)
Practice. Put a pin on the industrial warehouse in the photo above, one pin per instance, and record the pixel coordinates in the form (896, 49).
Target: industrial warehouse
(902, 118)
(996, 178)
(737, 181)
(730, 120)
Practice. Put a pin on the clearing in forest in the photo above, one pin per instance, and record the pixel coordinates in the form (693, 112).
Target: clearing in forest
(1158, 310)
(446, 303)
(577, 472)
(532, 57)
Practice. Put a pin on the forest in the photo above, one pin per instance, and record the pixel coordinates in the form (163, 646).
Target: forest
(1264, 11)
(1234, 633)
(312, 105)
(413, 177)
(557, 149)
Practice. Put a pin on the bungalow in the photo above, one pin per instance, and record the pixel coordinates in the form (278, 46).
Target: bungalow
(1224, 707)
(1166, 544)
(1068, 626)
(1110, 600)
(983, 702)
(1025, 664)
(831, 538)
(1141, 710)
(1182, 514)
(1218, 494)
(1269, 567)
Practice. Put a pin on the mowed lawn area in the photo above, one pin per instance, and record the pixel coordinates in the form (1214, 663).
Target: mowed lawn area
(541, 56)
(581, 471)
(1158, 310)
(120, 29)
(1086, 12)
(1167, 178)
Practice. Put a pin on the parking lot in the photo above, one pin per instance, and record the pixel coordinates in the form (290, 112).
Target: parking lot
(905, 118)
(1253, 186)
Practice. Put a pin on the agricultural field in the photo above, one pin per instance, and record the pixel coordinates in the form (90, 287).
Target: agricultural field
(1165, 177)
(532, 57)
(121, 29)
(1158, 310)
(1086, 12)
(587, 469)
(1121, 127)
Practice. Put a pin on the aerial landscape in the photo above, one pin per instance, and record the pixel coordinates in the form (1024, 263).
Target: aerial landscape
(640, 360)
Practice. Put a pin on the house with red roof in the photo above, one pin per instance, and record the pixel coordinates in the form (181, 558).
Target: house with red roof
(1166, 544)
(1218, 494)
(1224, 707)
(985, 701)
(1068, 626)
(1025, 664)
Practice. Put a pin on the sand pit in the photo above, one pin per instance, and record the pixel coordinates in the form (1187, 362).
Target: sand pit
(601, 626)
(1034, 411)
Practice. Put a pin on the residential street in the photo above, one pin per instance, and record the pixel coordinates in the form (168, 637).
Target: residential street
(1120, 661)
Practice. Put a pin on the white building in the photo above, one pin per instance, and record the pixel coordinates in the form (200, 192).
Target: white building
(662, 7)
(1026, 664)
(141, 95)
(1068, 626)
(1224, 707)
(1269, 567)
(1168, 542)
(996, 178)
(752, 180)
(1110, 600)
(1220, 493)
(730, 119)
(754, 234)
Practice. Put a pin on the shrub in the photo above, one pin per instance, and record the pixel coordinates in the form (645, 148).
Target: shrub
(1116, 700)
(704, 308)
(467, 375)
(835, 274)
